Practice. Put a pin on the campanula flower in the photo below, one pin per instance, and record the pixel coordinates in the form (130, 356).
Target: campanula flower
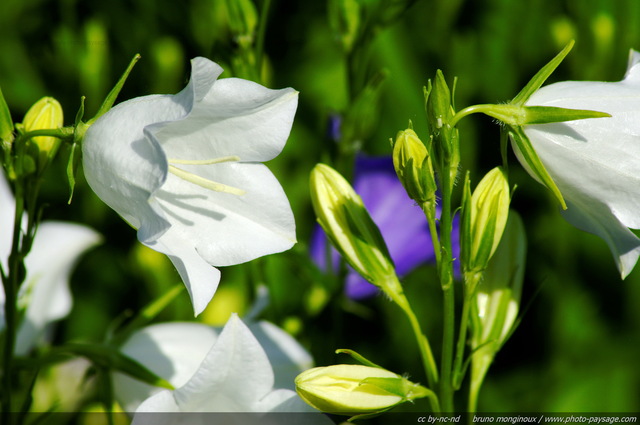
(226, 372)
(596, 162)
(185, 171)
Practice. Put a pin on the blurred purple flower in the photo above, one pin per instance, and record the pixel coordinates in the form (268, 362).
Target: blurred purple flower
(401, 222)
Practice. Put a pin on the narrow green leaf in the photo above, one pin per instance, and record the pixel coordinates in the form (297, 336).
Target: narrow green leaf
(107, 356)
(541, 76)
(6, 123)
(148, 313)
(534, 163)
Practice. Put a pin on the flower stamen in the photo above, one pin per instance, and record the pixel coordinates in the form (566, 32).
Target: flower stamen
(201, 181)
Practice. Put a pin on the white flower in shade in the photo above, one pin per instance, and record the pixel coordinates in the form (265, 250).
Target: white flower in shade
(185, 170)
(227, 371)
(44, 295)
(596, 162)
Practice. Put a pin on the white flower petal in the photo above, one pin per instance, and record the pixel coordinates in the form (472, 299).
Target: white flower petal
(198, 276)
(173, 351)
(596, 162)
(7, 212)
(134, 160)
(243, 227)
(234, 374)
(55, 250)
(286, 355)
(237, 117)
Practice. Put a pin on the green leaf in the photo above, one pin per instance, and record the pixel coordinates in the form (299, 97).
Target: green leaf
(148, 313)
(6, 124)
(541, 76)
(534, 163)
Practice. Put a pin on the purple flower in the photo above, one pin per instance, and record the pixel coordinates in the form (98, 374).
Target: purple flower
(401, 222)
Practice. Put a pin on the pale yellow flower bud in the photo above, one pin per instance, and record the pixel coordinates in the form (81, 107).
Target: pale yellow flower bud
(45, 114)
(355, 389)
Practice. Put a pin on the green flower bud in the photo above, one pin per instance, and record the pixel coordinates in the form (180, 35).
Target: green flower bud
(496, 306)
(349, 226)
(45, 114)
(356, 389)
(413, 166)
(444, 134)
(484, 216)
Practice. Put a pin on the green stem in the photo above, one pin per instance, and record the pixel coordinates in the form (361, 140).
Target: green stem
(428, 360)
(11, 284)
(445, 268)
(462, 340)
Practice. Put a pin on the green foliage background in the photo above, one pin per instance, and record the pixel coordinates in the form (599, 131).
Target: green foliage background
(578, 345)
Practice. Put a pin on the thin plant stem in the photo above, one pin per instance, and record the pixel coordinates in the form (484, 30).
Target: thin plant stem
(445, 268)
(11, 284)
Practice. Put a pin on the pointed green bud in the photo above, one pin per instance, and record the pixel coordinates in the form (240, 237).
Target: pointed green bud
(497, 300)
(484, 217)
(444, 134)
(45, 114)
(355, 389)
(413, 166)
(349, 226)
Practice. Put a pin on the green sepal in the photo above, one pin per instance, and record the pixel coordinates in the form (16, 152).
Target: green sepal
(541, 76)
(113, 94)
(465, 224)
(549, 114)
(106, 356)
(394, 386)
(6, 123)
(72, 167)
(358, 357)
(534, 163)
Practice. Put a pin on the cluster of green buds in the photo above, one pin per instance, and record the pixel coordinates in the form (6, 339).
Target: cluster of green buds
(444, 134)
(356, 390)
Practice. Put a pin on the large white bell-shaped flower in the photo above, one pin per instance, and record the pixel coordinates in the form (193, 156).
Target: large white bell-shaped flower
(185, 170)
(596, 162)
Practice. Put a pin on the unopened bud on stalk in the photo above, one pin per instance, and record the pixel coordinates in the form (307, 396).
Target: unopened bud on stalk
(349, 226)
(45, 114)
(484, 216)
(356, 389)
(413, 166)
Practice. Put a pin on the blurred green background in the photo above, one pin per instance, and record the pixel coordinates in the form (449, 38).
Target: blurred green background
(578, 345)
